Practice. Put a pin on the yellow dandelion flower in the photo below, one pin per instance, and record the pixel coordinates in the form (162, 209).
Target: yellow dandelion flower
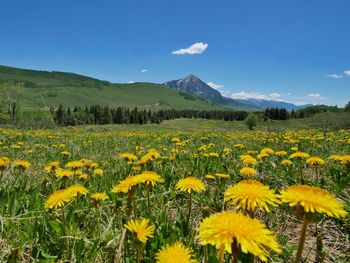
(74, 165)
(94, 166)
(267, 151)
(154, 154)
(141, 228)
(222, 229)
(190, 184)
(66, 154)
(83, 176)
(249, 161)
(299, 155)
(22, 164)
(313, 199)
(203, 148)
(294, 148)
(4, 162)
(86, 163)
(58, 199)
(128, 157)
(175, 140)
(214, 154)
(175, 253)
(127, 184)
(281, 153)
(247, 171)
(62, 173)
(251, 194)
(99, 196)
(98, 171)
(209, 176)
(238, 146)
(345, 159)
(226, 150)
(150, 178)
(221, 175)
(315, 161)
(52, 166)
(77, 189)
(335, 157)
(244, 156)
(287, 162)
(262, 156)
(136, 168)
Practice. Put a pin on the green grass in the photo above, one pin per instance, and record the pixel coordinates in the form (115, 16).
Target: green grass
(339, 121)
(42, 89)
(81, 231)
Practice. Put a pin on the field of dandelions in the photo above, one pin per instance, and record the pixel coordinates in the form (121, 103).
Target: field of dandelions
(163, 196)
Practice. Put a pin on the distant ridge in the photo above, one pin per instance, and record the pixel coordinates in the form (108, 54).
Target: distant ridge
(194, 85)
(261, 103)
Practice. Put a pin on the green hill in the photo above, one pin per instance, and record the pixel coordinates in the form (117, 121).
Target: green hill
(40, 89)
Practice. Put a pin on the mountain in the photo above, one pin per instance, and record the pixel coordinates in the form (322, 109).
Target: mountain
(261, 103)
(41, 89)
(194, 85)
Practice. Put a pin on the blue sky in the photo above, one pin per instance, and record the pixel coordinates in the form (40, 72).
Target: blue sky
(293, 50)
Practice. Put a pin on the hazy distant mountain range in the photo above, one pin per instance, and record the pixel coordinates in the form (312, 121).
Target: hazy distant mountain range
(194, 85)
(41, 89)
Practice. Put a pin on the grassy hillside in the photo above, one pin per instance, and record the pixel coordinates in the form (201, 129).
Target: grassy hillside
(42, 88)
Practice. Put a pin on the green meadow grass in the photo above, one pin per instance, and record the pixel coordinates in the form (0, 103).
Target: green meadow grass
(80, 232)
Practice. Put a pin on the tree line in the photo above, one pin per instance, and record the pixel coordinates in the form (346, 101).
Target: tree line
(97, 114)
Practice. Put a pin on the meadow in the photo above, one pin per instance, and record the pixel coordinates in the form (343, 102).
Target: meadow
(204, 193)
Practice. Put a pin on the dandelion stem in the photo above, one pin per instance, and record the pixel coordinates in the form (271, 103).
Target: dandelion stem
(252, 256)
(302, 239)
(148, 199)
(140, 254)
(301, 172)
(133, 205)
(118, 253)
(189, 209)
(205, 260)
(65, 231)
(235, 251)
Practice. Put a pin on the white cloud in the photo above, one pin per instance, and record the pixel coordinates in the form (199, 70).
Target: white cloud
(131, 82)
(196, 48)
(299, 103)
(275, 95)
(255, 95)
(144, 70)
(315, 96)
(214, 85)
(311, 98)
(347, 72)
(334, 76)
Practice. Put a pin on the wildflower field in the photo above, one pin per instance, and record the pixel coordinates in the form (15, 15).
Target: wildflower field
(74, 195)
